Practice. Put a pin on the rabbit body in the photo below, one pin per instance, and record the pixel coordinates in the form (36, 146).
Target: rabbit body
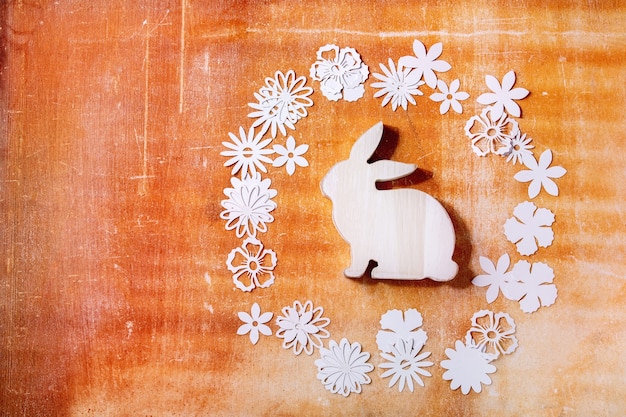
(406, 231)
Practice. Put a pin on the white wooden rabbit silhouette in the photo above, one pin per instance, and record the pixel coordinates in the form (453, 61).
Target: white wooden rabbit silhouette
(406, 231)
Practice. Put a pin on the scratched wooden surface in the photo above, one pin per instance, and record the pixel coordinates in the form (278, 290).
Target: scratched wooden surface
(115, 297)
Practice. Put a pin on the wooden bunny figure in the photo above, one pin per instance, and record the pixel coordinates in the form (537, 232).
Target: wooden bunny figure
(406, 231)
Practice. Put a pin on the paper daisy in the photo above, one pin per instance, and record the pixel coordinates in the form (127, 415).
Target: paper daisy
(520, 148)
(343, 367)
(247, 152)
(302, 327)
(405, 364)
(397, 85)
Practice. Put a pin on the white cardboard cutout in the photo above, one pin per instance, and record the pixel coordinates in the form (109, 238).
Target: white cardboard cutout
(406, 231)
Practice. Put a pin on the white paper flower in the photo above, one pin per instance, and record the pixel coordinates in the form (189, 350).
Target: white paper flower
(449, 96)
(340, 72)
(537, 283)
(252, 265)
(540, 174)
(532, 227)
(247, 152)
(302, 327)
(343, 367)
(520, 148)
(405, 363)
(249, 203)
(467, 367)
(281, 102)
(498, 279)
(397, 85)
(291, 155)
(254, 323)
(490, 134)
(398, 327)
(493, 333)
(503, 96)
(426, 63)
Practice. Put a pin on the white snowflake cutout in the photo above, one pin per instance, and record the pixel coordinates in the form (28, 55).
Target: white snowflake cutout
(405, 363)
(467, 367)
(519, 148)
(491, 134)
(449, 97)
(343, 367)
(254, 323)
(498, 279)
(537, 285)
(426, 63)
(530, 227)
(540, 174)
(341, 73)
(249, 203)
(247, 152)
(396, 327)
(397, 85)
(291, 155)
(502, 96)
(252, 262)
(281, 102)
(493, 333)
(302, 327)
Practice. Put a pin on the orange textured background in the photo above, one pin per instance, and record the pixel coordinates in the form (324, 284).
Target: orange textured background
(115, 297)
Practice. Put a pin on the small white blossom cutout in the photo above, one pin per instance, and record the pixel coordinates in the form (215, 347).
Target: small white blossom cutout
(254, 323)
(343, 367)
(281, 102)
(291, 155)
(341, 73)
(540, 174)
(530, 228)
(396, 327)
(502, 96)
(449, 97)
(498, 278)
(490, 134)
(405, 364)
(252, 265)
(397, 85)
(302, 327)
(426, 63)
(520, 148)
(467, 367)
(493, 333)
(249, 203)
(247, 152)
(537, 285)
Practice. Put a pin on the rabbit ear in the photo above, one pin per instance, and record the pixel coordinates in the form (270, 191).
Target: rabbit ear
(365, 146)
(385, 170)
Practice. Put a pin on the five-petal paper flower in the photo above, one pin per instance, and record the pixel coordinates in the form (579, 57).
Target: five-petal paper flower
(281, 102)
(467, 367)
(247, 152)
(340, 72)
(404, 364)
(426, 63)
(530, 227)
(343, 367)
(520, 148)
(491, 134)
(397, 85)
(254, 323)
(449, 96)
(498, 279)
(503, 96)
(493, 333)
(302, 327)
(537, 283)
(396, 327)
(253, 264)
(291, 155)
(540, 174)
(249, 203)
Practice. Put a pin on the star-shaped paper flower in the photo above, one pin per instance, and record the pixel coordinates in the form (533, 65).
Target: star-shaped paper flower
(541, 174)
(291, 155)
(397, 85)
(247, 152)
(503, 96)
(530, 227)
(426, 63)
(254, 323)
(449, 96)
(498, 279)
